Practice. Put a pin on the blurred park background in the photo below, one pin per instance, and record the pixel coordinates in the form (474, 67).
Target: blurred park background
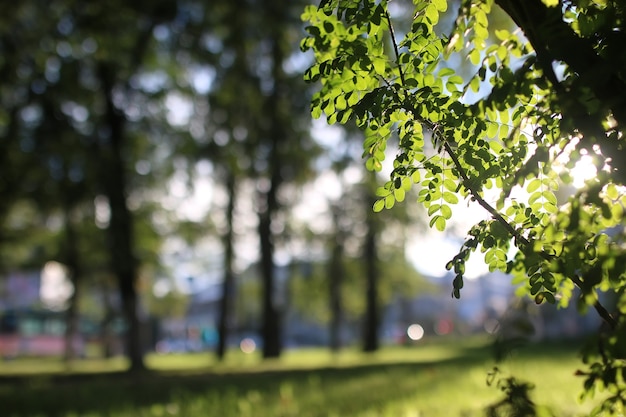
(167, 202)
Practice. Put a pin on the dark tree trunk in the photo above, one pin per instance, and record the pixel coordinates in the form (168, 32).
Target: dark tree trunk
(370, 253)
(335, 280)
(73, 264)
(271, 325)
(10, 184)
(370, 337)
(277, 134)
(228, 285)
(268, 206)
(120, 230)
(106, 332)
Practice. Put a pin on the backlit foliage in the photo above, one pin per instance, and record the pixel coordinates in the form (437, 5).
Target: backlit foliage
(504, 131)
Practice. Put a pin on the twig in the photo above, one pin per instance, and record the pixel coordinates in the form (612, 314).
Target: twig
(496, 215)
(395, 46)
(600, 309)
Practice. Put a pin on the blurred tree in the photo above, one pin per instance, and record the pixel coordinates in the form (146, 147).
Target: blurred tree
(64, 191)
(54, 176)
(120, 233)
(343, 225)
(105, 87)
(337, 281)
(346, 242)
(83, 80)
(261, 119)
(285, 150)
(18, 69)
(125, 57)
(386, 270)
(228, 290)
(250, 123)
(235, 109)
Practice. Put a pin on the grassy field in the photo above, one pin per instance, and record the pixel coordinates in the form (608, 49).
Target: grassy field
(429, 380)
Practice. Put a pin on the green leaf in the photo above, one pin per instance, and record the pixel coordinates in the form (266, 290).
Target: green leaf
(455, 79)
(550, 197)
(379, 65)
(533, 185)
(399, 194)
(440, 223)
(449, 185)
(433, 209)
(406, 183)
(474, 56)
(545, 296)
(502, 52)
(534, 197)
(389, 202)
(475, 84)
(379, 205)
(446, 212)
(432, 14)
(445, 72)
(450, 198)
(360, 83)
(316, 112)
(502, 34)
(382, 192)
(441, 5)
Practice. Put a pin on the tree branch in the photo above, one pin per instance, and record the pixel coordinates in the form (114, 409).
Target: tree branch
(476, 196)
(600, 309)
(520, 239)
(395, 47)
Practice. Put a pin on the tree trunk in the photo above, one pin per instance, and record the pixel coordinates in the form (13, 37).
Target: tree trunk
(120, 230)
(228, 285)
(10, 184)
(72, 263)
(370, 253)
(277, 134)
(106, 332)
(271, 326)
(335, 280)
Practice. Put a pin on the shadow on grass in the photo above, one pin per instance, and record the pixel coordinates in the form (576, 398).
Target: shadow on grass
(259, 391)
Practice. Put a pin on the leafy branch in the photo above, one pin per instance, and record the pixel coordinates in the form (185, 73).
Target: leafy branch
(521, 240)
(561, 246)
(516, 234)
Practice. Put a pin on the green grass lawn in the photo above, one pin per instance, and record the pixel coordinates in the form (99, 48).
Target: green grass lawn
(444, 378)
